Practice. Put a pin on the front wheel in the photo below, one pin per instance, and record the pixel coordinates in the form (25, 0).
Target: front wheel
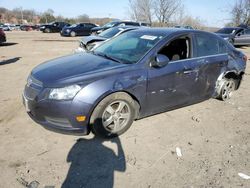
(227, 89)
(113, 115)
(72, 34)
(47, 30)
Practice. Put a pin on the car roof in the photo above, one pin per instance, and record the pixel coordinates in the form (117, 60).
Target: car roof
(163, 31)
(170, 31)
(126, 27)
(232, 28)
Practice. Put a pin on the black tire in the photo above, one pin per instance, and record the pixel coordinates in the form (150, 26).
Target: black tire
(47, 30)
(228, 85)
(98, 116)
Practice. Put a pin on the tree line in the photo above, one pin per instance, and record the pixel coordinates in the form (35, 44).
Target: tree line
(30, 16)
(172, 12)
(155, 12)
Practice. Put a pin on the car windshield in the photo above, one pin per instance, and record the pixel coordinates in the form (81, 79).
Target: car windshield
(74, 25)
(227, 30)
(110, 24)
(109, 33)
(128, 48)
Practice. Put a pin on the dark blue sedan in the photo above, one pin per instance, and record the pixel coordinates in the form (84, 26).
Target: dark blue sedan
(137, 74)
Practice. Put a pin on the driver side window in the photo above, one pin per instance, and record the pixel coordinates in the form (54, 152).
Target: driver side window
(177, 49)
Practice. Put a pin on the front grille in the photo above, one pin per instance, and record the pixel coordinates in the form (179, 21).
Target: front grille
(30, 92)
(32, 88)
(33, 81)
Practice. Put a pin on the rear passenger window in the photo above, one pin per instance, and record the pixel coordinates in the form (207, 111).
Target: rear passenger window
(223, 47)
(207, 45)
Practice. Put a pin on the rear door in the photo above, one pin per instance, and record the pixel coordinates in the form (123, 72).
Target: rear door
(211, 59)
(243, 38)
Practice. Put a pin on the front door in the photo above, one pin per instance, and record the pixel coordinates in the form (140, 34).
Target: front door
(172, 86)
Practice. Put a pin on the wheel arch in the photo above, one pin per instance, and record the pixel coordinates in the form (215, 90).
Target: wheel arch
(137, 101)
(228, 74)
(236, 76)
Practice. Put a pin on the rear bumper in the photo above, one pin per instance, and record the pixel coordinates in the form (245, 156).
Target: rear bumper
(59, 116)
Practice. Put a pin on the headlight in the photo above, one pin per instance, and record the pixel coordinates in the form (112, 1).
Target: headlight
(42, 27)
(226, 38)
(67, 30)
(65, 93)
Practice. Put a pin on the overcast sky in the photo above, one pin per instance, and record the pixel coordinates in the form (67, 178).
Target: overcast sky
(212, 12)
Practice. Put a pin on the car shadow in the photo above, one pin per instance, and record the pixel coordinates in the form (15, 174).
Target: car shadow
(8, 44)
(93, 164)
(9, 61)
(241, 46)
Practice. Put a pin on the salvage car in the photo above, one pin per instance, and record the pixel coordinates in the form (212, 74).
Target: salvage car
(91, 42)
(2, 36)
(97, 30)
(54, 27)
(137, 74)
(80, 29)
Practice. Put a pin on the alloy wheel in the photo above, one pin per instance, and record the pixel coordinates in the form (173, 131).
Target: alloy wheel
(116, 116)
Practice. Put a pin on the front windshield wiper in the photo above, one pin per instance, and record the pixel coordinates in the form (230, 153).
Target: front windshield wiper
(106, 56)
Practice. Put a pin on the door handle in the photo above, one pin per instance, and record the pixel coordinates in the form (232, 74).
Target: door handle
(188, 71)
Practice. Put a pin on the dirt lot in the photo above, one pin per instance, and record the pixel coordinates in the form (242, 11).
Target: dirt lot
(214, 136)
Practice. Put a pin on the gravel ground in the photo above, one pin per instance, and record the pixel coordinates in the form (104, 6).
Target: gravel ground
(213, 136)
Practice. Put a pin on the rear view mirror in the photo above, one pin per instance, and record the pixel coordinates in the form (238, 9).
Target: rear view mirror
(160, 61)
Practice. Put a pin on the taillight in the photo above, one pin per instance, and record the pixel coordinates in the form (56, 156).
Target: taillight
(245, 58)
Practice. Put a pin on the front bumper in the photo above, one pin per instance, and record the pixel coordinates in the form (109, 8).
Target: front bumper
(58, 116)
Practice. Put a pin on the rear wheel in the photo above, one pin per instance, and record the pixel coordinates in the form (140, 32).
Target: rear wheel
(113, 115)
(228, 86)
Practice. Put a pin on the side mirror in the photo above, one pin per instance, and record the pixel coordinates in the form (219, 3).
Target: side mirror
(160, 61)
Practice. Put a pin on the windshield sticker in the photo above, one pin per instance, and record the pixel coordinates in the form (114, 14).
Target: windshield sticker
(149, 37)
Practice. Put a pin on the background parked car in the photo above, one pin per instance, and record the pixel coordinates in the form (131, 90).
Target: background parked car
(97, 30)
(243, 37)
(26, 28)
(6, 27)
(91, 42)
(184, 27)
(54, 27)
(80, 29)
(2, 36)
(228, 33)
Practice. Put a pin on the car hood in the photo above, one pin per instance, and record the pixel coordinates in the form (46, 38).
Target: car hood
(73, 69)
(89, 39)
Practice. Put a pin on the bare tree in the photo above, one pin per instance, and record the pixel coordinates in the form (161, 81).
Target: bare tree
(165, 9)
(141, 10)
(83, 18)
(241, 12)
(133, 10)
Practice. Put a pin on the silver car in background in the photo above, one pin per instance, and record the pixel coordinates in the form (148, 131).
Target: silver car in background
(91, 42)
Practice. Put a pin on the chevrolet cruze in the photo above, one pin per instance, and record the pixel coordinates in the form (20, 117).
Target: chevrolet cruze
(137, 74)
